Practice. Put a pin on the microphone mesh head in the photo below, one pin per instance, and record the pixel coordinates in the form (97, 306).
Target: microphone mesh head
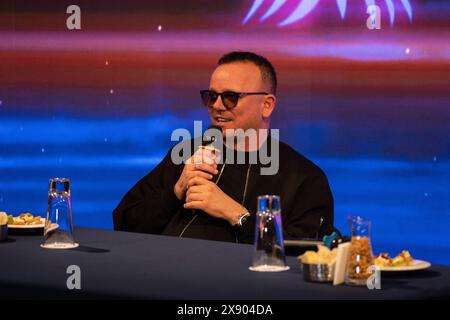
(211, 135)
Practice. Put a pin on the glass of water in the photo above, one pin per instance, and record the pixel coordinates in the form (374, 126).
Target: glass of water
(58, 232)
(268, 253)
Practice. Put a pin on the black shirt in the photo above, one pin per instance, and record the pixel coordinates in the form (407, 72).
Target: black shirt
(306, 200)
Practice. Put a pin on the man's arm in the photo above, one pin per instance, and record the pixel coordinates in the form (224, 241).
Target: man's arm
(312, 214)
(207, 196)
(151, 203)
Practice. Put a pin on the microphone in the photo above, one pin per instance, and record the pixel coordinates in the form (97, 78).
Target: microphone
(212, 137)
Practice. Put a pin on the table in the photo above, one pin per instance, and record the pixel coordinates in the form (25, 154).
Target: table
(140, 266)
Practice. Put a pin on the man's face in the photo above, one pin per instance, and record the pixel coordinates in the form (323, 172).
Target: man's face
(238, 77)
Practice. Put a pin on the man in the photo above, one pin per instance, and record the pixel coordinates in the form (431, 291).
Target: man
(203, 199)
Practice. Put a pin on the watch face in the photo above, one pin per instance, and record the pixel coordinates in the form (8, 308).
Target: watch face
(243, 218)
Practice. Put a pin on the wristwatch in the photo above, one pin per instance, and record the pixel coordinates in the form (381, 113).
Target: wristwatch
(242, 218)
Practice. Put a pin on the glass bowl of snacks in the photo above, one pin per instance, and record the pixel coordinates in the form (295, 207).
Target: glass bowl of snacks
(318, 266)
(361, 256)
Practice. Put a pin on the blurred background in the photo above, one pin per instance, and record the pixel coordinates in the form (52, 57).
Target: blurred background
(98, 105)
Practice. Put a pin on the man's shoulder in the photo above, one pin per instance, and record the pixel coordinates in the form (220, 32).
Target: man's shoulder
(291, 159)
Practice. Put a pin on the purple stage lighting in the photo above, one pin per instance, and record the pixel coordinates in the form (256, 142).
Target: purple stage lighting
(305, 7)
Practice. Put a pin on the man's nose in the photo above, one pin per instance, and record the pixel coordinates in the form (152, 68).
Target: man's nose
(218, 105)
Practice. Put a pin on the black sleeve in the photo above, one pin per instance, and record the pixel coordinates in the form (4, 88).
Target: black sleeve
(151, 203)
(312, 215)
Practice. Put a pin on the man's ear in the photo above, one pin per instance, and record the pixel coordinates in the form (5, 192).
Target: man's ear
(268, 106)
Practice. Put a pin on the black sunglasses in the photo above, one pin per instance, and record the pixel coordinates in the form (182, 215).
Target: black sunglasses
(229, 98)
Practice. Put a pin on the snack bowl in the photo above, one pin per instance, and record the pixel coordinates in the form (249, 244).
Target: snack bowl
(317, 272)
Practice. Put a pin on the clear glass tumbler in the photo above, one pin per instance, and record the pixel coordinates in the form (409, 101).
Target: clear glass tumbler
(58, 232)
(268, 253)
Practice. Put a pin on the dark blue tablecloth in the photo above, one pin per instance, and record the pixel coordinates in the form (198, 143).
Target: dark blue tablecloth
(130, 265)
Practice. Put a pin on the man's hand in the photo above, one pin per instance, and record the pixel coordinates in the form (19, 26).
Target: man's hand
(203, 163)
(205, 195)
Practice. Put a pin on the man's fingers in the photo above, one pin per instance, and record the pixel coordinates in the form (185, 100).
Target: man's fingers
(201, 174)
(201, 158)
(195, 189)
(206, 167)
(208, 151)
(208, 155)
(191, 175)
(194, 205)
(190, 160)
(197, 181)
(211, 152)
(207, 158)
(194, 196)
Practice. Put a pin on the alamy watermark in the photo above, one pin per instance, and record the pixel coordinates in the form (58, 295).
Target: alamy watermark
(74, 280)
(374, 281)
(374, 19)
(73, 21)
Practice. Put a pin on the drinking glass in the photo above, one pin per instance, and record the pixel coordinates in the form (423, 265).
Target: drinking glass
(268, 253)
(58, 231)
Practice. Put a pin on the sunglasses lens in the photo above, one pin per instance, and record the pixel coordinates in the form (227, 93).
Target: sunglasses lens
(230, 99)
(209, 97)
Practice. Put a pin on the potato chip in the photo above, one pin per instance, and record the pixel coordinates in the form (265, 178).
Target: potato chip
(3, 218)
(322, 256)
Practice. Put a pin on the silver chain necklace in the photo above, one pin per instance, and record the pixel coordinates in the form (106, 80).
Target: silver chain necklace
(217, 181)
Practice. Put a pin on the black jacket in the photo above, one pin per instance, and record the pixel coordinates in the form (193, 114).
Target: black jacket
(306, 201)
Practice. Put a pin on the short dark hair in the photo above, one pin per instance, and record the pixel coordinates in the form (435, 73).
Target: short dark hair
(268, 73)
